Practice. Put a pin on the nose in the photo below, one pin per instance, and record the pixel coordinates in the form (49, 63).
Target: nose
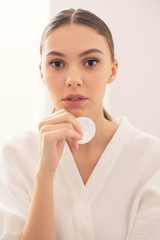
(73, 79)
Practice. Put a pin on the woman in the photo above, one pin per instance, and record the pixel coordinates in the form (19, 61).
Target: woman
(55, 188)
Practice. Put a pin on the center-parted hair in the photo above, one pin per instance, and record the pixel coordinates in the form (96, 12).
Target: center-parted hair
(79, 16)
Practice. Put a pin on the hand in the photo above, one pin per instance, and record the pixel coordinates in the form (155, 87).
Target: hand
(53, 131)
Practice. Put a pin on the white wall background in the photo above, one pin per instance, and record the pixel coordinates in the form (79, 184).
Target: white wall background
(21, 26)
(135, 26)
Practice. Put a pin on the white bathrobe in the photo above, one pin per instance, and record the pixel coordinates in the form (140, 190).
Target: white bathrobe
(120, 201)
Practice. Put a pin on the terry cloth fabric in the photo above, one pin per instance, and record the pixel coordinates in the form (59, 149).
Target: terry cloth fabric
(120, 201)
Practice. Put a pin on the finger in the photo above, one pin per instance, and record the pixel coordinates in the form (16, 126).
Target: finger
(55, 135)
(48, 128)
(62, 117)
(75, 144)
(53, 114)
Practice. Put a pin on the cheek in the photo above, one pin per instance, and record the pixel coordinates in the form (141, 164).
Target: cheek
(98, 80)
(98, 85)
(52, 81)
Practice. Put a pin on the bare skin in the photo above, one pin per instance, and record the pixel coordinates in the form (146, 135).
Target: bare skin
(73, 70)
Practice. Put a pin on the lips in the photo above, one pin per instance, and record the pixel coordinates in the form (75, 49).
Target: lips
(74, 100)
(75, 97)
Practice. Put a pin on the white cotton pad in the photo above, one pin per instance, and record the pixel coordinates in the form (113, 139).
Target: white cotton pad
(88, 129)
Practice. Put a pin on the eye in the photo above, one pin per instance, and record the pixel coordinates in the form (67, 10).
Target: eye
(91, 62)
(57, 64)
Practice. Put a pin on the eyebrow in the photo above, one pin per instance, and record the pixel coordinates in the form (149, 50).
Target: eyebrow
(92, 50)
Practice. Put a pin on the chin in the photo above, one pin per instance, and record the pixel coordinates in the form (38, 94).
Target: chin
(77, 112)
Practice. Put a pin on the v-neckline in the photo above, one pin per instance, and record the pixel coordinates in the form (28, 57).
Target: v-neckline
(101, 170)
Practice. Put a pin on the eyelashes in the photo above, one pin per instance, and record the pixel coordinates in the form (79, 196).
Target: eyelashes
(89, 63)
(57, 63)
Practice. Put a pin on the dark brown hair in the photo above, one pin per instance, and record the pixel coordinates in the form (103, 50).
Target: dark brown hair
(82, 17)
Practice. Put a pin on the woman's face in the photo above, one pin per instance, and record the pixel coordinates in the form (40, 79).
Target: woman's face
(76, 66)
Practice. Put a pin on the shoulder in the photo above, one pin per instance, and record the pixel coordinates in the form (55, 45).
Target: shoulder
(139, 152)
(20, 142)
(19, 151)
(139, 139)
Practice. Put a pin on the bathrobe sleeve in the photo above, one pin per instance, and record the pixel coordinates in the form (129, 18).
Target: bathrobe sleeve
(147, 220)
(16, 180)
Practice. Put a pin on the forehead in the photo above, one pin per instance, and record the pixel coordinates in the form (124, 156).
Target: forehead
(76, 38)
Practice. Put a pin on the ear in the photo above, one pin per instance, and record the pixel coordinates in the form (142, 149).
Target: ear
(114, 69)
(40, 68)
